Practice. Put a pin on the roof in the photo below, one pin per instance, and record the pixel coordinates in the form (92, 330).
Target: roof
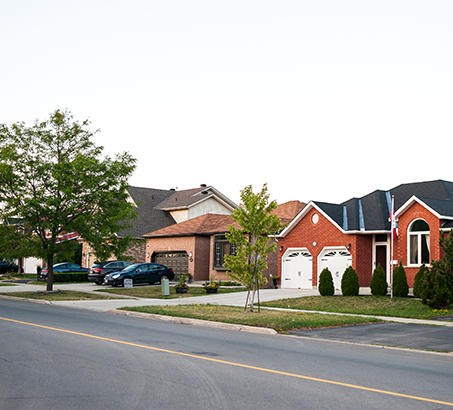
(189, 197)
(370, 213)
(288, 210)
(209, 224)
(153, 206)
(206, 224)
(149, 217)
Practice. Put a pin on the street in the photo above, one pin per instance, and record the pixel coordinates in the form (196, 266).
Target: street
(54, 357)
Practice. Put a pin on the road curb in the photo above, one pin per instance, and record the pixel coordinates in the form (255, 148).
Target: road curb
(198, 322)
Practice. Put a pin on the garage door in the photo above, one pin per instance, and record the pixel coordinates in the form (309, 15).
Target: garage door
(178, 261)
(336, 260)
(297, 269)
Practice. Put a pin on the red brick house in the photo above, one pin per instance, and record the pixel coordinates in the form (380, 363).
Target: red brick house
(357, 232)
(198, 245)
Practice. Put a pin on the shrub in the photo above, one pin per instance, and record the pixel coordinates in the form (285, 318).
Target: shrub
(350, 282)
(325, 285)
(378, 282)
(417, 280)
(434, 289)
(400, 286)
(70, 277)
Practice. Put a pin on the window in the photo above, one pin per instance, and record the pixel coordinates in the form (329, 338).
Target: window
(418, 243)
(222, 247)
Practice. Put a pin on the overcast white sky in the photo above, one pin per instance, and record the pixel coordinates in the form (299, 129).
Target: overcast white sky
(323, 100)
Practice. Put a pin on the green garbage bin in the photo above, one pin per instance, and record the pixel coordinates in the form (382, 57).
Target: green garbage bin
(165, 285)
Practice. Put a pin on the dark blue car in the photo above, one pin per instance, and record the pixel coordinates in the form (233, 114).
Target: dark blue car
(65, 267)
(140, 273)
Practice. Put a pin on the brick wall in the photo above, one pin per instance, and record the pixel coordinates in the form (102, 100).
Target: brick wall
(316, 236)
(400, 253)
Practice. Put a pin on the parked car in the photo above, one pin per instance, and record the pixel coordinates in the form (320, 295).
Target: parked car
(140, 273)
(98, 273)
(6, 267)
(65, 267)
(97, 266)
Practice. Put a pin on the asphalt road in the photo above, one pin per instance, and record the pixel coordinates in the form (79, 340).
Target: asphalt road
(54, 357)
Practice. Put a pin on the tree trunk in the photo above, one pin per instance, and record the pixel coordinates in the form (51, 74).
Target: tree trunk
(50, 273)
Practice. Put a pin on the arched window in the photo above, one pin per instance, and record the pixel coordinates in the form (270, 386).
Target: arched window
(418, 243)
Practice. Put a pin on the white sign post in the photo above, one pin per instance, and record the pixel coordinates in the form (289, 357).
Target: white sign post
(128, 283)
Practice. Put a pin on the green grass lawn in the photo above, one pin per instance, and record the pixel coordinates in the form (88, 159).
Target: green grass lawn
(155, 292)
(364, 305)
(281, 321)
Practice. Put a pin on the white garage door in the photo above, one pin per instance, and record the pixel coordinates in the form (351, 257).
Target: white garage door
(336, 260)
(297, 269)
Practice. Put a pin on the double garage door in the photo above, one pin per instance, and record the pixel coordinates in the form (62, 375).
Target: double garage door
(297, 266)
(178, 261)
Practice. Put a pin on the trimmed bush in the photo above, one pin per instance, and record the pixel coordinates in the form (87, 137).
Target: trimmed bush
(378, 282)
(70, 277)
(325, 286)
(417, 280)
(400, 286)
(350, 282)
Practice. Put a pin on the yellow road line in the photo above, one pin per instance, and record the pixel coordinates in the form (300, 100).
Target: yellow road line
(234, 364)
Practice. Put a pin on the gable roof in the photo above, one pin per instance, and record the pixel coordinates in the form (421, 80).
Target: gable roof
(206, 224)
(370, 213)
(187, 198)
(154, 206)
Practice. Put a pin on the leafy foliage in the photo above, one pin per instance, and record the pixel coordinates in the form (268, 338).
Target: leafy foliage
(418, 279)
(251, 239)
(53, 181)
(326, 287)
(436, 284)
(400, 286)
(350, 282)
(378, 282)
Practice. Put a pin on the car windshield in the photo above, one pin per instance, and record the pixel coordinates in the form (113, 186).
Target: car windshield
(131, 267)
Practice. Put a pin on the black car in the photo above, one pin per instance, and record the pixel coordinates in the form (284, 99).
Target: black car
(140, 273)
(6, 267)
(65, 267)
(98, 271)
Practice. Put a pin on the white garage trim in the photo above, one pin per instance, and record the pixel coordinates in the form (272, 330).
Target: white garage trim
(297, 269)
(336, 259)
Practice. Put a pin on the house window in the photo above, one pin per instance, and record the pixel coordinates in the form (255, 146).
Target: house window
(222, 247)
(418, 242)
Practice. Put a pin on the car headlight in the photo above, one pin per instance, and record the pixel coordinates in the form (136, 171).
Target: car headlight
(116, 276)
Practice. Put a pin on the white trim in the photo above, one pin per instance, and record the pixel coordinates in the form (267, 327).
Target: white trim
(303, 213)
(417, 200)
(287, 252)
(387, 255)
(322, 252)
(419, 244)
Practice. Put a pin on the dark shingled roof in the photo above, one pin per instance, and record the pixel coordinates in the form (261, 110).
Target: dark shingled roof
(150, 218)
(182, 198)
(372, 212)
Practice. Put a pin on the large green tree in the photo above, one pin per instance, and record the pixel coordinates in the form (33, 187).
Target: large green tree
(54, 180)
(252, 243)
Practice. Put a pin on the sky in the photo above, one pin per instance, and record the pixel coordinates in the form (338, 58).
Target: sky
(322, 100)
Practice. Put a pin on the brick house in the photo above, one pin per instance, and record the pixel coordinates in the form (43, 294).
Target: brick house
(158, 209)
(198, 245)
(358, 233)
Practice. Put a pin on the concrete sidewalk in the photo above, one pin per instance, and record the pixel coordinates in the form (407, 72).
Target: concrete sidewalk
(230, 299)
